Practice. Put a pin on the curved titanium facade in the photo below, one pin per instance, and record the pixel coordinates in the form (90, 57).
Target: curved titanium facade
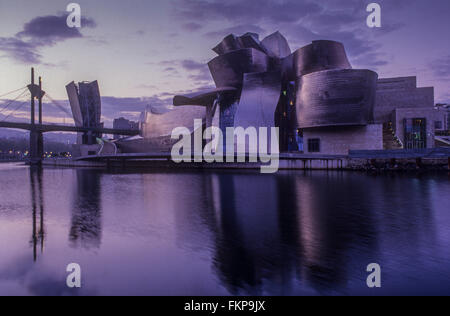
(276, 45)
(206, 98)
(318, 56)
(228, 44)
(156, 125)
(336, 98)
(232, 43)
(228, 70)
(259, 100)
(327, 91)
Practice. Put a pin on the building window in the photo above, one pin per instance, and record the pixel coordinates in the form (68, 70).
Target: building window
(415, 133)
(438, 124)
(314, 145)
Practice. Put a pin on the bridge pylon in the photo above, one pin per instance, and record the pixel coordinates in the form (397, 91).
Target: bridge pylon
(36, 135)
(36, 146)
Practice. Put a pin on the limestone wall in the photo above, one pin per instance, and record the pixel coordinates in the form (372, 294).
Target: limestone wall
(339, 140)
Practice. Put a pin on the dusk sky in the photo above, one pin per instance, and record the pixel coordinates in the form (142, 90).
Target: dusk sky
(143, 52)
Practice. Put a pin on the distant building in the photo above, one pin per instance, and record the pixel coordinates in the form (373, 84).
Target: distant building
(445, 109)
(443, 127)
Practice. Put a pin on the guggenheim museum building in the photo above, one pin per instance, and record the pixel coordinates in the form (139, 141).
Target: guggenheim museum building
(319, 102)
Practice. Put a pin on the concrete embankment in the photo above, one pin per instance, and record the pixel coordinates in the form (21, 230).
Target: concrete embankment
(401, 160)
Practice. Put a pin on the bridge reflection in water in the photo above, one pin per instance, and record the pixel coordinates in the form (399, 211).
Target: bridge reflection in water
(37, 202)
(283, 234)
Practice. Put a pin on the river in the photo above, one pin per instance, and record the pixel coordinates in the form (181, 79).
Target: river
(222, 233)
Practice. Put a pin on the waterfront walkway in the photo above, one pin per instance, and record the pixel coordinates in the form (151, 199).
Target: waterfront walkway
(401, 154)
(438, 158)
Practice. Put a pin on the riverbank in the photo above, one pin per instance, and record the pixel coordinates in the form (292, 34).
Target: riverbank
(400, 160)
(11, 161)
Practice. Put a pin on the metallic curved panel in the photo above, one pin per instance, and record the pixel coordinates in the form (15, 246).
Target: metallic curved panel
(157, 125)
(259, 100)
(251, 40)
(72, 93)
(86, 105)
(204, 98)
(318, 56)
(336, 97)
(227, 45)
(90, 102)
(232, 43)
(276, 45)
(228, 70)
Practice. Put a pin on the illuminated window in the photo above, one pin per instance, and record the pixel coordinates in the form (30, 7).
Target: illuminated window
(415, 133)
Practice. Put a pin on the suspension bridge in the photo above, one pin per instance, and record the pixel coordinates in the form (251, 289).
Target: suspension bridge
(21, 104)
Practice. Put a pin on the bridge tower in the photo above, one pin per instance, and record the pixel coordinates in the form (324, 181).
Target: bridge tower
(36, 136)
(40, 135)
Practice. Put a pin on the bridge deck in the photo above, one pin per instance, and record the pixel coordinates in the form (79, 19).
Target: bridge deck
(63, 128)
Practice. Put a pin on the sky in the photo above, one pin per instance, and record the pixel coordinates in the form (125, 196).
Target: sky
(144, 52)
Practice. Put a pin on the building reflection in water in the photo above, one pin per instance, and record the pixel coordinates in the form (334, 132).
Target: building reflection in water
(280, 232)
(270, 234)
(249, 248)
(335, 218)
(86, 223)
(37, 204)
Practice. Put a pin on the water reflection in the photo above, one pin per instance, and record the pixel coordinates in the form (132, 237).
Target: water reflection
(249, 248)
(312, 228)
(330, 225)
(285, 234)
(86, 223)
(37, 201)
(274, 229)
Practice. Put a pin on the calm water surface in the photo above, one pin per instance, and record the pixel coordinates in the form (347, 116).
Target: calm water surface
(222, 233)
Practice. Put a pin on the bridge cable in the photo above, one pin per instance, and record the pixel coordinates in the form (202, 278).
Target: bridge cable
(11, 92)
(59, 106)
(16, 109)
(13, 111)
(12, 101)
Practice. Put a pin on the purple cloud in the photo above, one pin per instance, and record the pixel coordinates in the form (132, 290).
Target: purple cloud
(301, 21)
(198, 72)
(239, 29)
(192, 26)
(51, 29)
(40, 32)
(251, 11)
(20, 50)
(441, 67)
(189, 64)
